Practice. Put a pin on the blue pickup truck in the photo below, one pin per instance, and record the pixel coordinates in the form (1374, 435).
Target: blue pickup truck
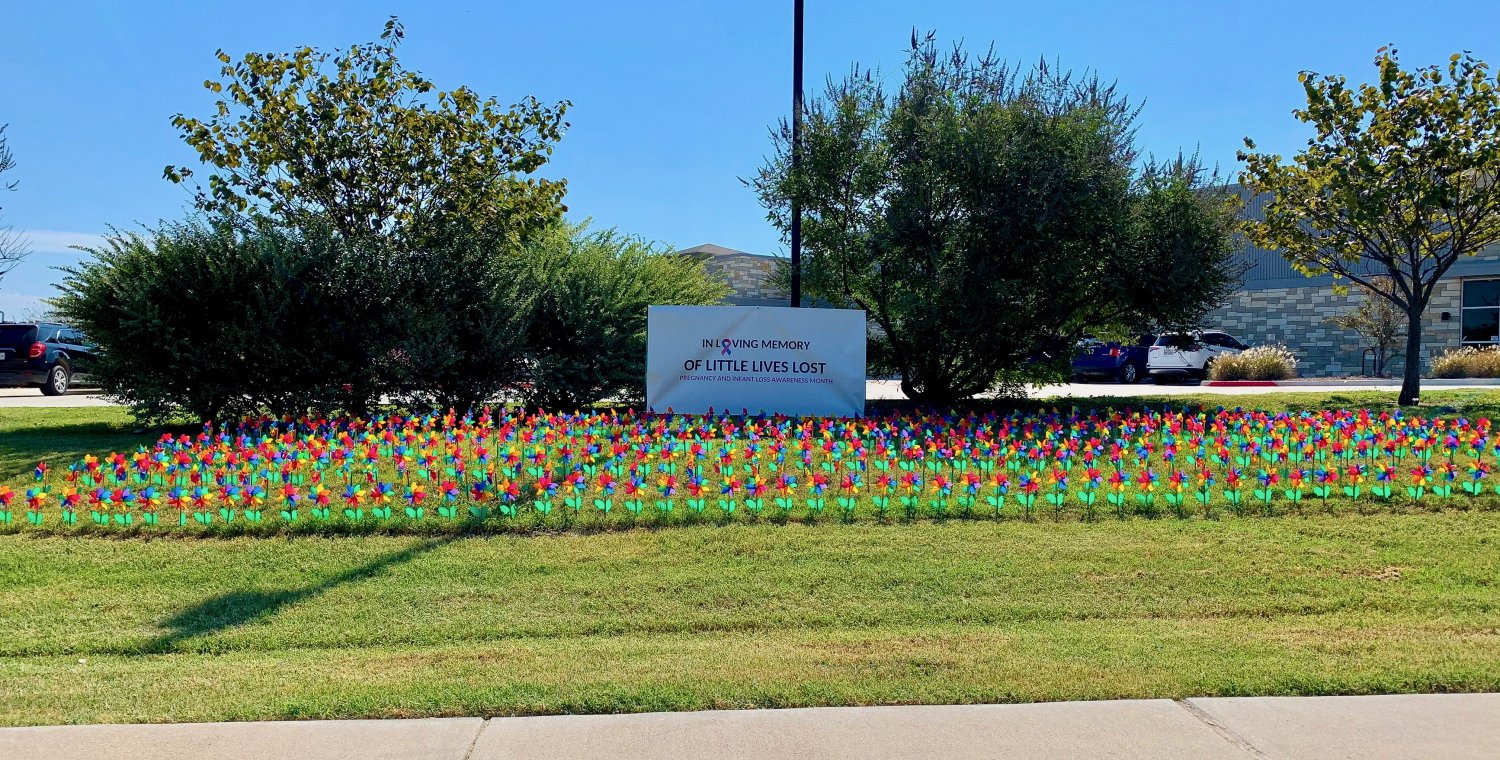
(1100, 360)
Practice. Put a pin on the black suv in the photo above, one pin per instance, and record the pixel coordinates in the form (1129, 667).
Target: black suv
(45, 354)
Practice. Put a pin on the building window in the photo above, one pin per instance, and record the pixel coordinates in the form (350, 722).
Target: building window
(1481, 312)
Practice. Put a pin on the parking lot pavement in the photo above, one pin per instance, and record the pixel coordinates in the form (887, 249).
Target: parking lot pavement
(891, 389)
(31, 397)
(1191, 387)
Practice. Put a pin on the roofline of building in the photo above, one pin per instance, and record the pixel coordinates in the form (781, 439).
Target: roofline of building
(722, 252)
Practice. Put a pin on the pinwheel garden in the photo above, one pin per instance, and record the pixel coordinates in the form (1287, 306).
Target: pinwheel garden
(524, 471)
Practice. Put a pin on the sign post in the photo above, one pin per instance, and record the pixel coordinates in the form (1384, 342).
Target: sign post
(761, 359)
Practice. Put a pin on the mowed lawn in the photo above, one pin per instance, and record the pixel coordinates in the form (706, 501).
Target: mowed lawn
(61, 437)
(100, 630)
(185, 629)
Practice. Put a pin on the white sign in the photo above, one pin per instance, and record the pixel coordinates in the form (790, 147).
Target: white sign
(757, 358)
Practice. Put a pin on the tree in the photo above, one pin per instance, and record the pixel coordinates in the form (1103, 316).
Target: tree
(1398, 183)
(369, 148)
(360, 240)
(1376, 319)
(586, 339)
(13, 247)
(986, 217)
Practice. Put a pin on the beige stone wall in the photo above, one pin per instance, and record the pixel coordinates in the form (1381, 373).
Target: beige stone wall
(1298, 318)
(749, 276)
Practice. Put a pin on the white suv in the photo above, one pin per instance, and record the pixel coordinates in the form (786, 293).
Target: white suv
(1189, 354)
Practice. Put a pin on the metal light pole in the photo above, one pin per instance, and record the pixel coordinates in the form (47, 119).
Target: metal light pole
(796, 152)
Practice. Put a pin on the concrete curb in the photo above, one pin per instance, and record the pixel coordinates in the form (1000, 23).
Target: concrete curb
(1439, 382)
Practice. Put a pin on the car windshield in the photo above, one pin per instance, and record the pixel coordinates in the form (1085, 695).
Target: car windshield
(1177, 340)
(17, 335)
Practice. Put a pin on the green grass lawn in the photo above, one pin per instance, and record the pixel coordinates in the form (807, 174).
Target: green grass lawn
(61, 436)
(745, 616)
(184, 629)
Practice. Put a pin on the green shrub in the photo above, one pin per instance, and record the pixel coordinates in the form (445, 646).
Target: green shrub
(587, 335)
(188, 317)
(217, 321)
(1258, 363)
(463, 318)
(1469, 361)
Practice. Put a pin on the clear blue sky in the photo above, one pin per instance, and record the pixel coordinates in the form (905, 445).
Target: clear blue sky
(672, 100)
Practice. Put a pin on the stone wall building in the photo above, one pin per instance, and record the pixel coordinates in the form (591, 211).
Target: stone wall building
(750, 275)
(1276, 305)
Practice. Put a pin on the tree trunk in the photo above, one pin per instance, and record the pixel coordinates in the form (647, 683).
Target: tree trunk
(931, 394)
(1411, 390)
(909, 389)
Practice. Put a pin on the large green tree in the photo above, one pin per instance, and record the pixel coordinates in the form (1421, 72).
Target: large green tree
(354, 139)
(361, 238)
(1397, 184)
(986, 217)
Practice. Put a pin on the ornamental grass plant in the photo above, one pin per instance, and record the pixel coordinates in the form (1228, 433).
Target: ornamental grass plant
(1469, 361)
(1258, 363)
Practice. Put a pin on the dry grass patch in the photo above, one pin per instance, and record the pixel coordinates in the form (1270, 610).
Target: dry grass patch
(1257, 363)
(1469, 361)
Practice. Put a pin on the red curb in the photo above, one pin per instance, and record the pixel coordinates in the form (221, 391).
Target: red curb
(1244, 383)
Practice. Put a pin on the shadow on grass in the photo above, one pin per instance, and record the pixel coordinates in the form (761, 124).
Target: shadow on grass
(239, 608)
(61, 445)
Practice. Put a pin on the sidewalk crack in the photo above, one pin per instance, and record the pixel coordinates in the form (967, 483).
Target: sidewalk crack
(1222, 730)
(475, 741)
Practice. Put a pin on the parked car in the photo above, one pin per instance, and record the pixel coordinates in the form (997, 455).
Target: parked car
(1189, 354)
(1097, 359)
(48, 355)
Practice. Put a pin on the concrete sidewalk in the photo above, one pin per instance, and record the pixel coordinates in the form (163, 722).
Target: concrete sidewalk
(1430, 727)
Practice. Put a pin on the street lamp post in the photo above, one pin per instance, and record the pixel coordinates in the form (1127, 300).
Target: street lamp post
(796, 152)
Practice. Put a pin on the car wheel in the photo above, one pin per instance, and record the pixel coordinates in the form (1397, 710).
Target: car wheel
(57, 381)
(1130, 374)
(1207, 367)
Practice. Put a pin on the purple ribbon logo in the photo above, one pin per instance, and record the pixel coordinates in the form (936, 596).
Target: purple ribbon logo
(724, 347)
